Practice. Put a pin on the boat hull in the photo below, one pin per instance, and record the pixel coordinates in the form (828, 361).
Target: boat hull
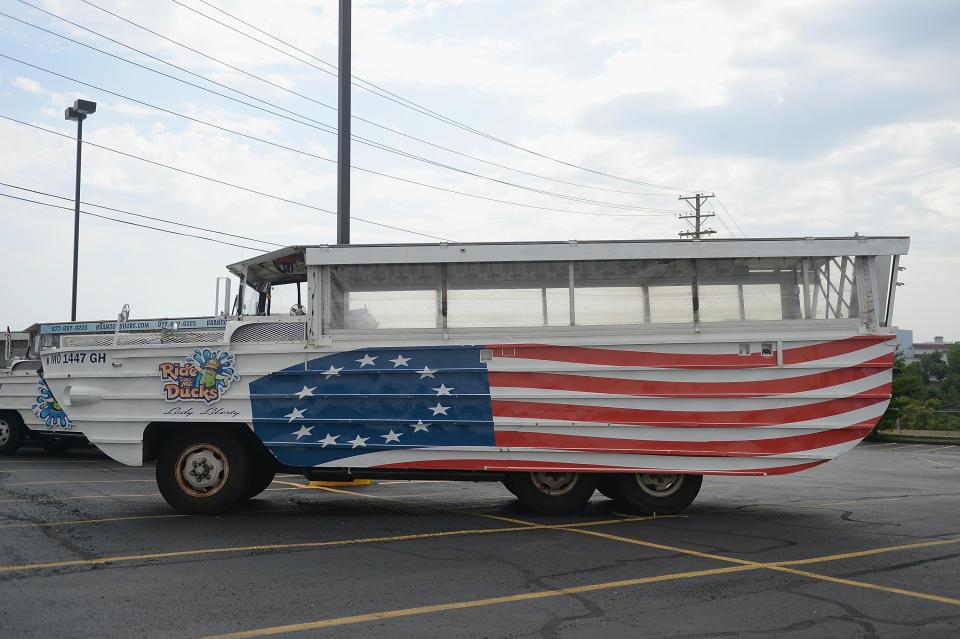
(722, 403)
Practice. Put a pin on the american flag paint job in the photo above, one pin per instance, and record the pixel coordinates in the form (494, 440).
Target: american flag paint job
(696, 408)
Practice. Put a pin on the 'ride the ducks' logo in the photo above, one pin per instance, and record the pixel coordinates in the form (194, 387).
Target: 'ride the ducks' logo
(204, 376)
(48, 408)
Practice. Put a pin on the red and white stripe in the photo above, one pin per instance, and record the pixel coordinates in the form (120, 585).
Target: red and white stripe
(691, 408)
(705, 408)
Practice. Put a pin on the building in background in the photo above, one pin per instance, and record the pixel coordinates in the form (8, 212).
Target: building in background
(904, 344)
(938, 344)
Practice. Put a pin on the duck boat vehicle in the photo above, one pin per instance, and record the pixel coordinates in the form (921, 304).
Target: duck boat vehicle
(560, 368)
(28, 410)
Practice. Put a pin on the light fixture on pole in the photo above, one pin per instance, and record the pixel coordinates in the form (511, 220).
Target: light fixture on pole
(78, 112)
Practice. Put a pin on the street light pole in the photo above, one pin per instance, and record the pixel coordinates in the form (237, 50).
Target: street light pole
(343, 127)
(79, 112)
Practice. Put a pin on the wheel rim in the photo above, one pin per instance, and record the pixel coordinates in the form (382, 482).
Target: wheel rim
(659, 485)
(554, 484)
(5, 432)
(202, 470)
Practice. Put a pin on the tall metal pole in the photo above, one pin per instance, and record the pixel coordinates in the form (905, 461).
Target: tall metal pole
(343, 127)
(76, 222)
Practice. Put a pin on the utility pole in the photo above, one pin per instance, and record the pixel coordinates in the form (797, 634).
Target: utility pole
(343, 127)
(698, 217)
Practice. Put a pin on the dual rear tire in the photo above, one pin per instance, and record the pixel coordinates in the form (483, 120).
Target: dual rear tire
(552, 493)
(568, 493)
(656, 493)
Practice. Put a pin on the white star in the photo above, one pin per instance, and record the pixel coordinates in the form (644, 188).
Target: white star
(439, 410)
(295, 414)
(329, 440)
(372, 361)
(420, 426)
(391, 437)
(359, 441)
(400, 361)
(332, 372)
(306, 392)
(303, 432)
(426, 372)
(443, 390)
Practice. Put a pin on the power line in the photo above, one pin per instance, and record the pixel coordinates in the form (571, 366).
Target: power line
(144, 226)
(317, 124)
(298, 94)
(324, 158)
(720, 219)
(410, 104)
(733, 219)
(224, 182)
(140, 215)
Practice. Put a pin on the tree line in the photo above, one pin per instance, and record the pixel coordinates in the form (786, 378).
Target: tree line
(926, 392)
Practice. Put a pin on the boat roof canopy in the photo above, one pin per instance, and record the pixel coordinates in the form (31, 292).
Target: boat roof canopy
(289, 264)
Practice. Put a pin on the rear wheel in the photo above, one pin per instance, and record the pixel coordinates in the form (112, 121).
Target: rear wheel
(203, 472)
(552, 493)
(11, 433)
(659, 493)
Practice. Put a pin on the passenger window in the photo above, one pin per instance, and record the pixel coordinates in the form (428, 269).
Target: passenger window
(633, 291)
(385, 296)
(508, 294)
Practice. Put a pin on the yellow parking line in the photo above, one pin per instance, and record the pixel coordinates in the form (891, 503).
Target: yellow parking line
(31, 499)
(475, 603)
(415, 481)
(595, 533)
(869, 586)
(81, 481)
(53, 461)
(305, 545)
(7, 501)
(80, 522)
(782, 566)
(257, 548)
(866, 553)
(743, 566)
(79, 470)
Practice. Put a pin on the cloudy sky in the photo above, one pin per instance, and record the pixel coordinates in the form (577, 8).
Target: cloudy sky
(820, 117)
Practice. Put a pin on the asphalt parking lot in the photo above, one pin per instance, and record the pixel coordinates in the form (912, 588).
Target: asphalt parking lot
(866, 546)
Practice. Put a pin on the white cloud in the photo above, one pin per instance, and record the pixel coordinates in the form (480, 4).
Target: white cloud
(27, 84)
(550, 75)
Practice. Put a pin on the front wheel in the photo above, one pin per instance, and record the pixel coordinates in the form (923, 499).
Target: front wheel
(202, 472)
(12, 431)
(658, 493)
(552, 493)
